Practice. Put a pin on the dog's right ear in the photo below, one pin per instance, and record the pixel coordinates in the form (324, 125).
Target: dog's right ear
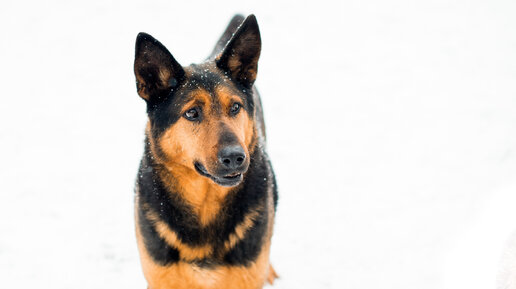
(228, 33)
(157, 72)
(239, 58)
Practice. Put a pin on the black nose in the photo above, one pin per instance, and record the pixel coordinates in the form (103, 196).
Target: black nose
(232, 157)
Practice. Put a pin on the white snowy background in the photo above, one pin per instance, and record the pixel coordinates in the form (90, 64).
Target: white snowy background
(391, 126)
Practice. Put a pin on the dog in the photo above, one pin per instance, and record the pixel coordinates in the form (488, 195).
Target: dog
(205, 192)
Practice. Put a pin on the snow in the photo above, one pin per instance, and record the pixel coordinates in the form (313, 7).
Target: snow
(391, 126)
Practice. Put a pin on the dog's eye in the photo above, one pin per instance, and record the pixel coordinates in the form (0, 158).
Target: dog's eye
(193, 114)
(235, 108)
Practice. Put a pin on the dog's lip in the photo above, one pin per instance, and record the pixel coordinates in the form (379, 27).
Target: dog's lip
(232, 176)
(201, 170)
(229, 180)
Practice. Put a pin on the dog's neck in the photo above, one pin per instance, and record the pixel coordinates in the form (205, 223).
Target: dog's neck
(202, 194)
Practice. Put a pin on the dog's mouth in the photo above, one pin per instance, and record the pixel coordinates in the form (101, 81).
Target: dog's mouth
(229, 180)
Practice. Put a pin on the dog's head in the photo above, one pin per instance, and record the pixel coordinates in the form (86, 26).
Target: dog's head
(201, 117)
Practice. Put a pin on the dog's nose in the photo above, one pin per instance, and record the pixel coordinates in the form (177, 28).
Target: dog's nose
(232, 157)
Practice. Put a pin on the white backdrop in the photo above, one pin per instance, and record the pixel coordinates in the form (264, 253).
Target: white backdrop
(391, 126)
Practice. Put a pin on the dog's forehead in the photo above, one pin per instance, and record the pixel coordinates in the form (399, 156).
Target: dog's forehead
(208, 78)
(205, 76)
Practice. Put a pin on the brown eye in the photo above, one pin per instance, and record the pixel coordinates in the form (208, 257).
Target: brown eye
(235, 108)
(193, 114)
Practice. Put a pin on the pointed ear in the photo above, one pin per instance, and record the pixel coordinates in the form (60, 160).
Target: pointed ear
(228, 33)
(240, 56)
(156, 70)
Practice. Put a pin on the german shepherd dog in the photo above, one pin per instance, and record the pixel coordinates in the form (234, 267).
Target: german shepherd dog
(205, 192)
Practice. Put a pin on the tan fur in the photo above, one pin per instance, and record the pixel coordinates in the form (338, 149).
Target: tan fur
(272, 275)
(185, 141)
(189, 276)
(190, 253)
(204, 196)
(142, 92)
(181, 145)
(186, 252)
(185, 276)
(234, 64)
(240, 230)
(242, 125)
(164, 76)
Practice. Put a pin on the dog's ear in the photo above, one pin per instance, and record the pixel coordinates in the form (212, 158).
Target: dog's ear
(228, 33)
(240, 56)
(157, 72)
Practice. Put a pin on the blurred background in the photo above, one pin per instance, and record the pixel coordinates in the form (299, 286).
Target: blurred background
(391, 126)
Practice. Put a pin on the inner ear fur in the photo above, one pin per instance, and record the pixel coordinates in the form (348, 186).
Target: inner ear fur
(240, 56)
(157, 72)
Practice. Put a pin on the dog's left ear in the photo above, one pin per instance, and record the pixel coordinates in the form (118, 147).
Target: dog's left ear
(240, 56)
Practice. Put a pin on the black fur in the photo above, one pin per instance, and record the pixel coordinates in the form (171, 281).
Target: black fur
(165, 100)
(151, 57)
(243, 48)
(228, 33)
(180, 218)
(166, 112)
